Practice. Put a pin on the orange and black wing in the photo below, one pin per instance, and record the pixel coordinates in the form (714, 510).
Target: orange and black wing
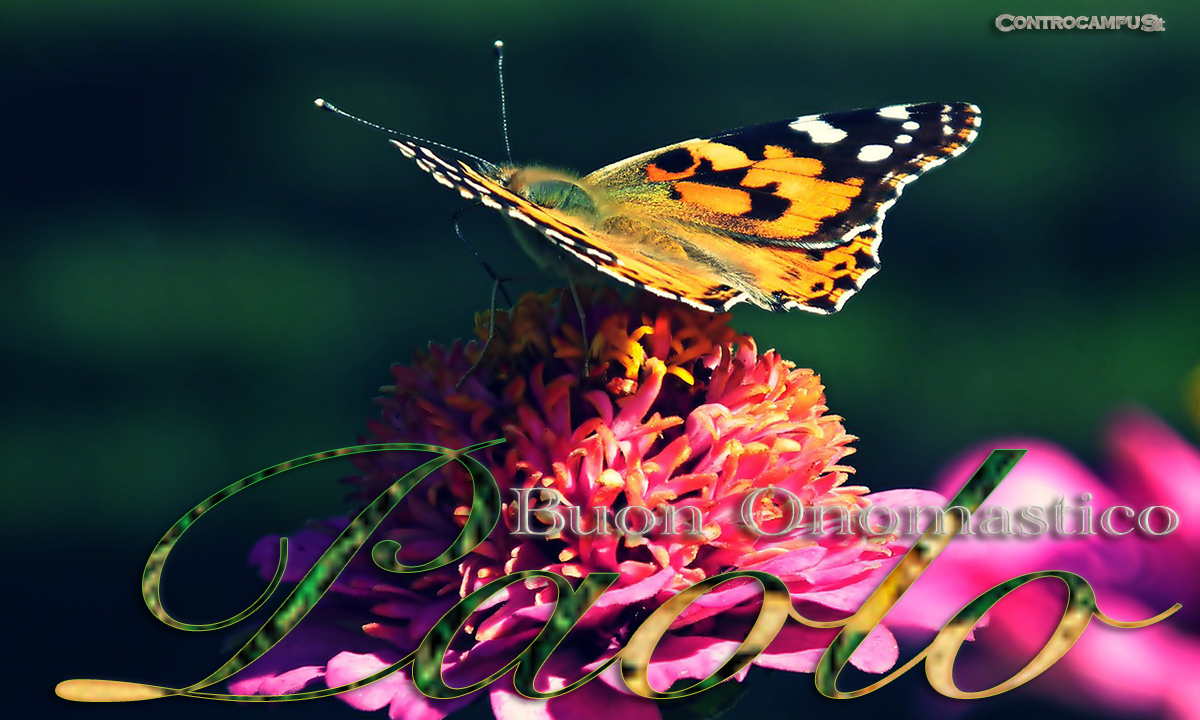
(813, 182)
(797, 206)
(785, 215)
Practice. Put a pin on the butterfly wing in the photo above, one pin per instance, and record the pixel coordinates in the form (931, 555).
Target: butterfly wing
(813, 182)
(792, 209)
(785, 215)
(622, 248)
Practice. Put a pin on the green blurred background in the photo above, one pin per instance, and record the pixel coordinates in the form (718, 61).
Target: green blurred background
(202, 275)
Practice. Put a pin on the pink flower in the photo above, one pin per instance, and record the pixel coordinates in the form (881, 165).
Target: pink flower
(1136, 576)
(676, 411)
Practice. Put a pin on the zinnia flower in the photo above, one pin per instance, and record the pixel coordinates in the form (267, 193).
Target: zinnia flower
(1136, 575)
(672, 409)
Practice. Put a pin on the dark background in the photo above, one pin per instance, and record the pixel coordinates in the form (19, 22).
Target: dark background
(202, 275)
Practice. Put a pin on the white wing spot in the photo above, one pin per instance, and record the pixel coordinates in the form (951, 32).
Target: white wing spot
(934, 162)
(903, 139)
(609, 271)
(433, 156)
(820, 131)
(911, 125)
(874, 153)
(518, 215)
(740, 297)
(895, 112)
(556, 235)
(405, 150)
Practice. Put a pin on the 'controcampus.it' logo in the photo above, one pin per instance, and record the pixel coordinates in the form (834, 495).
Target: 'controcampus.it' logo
(1148, 23)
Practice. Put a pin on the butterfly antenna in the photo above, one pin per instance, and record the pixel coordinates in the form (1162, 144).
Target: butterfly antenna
(324, 105)
(503, 103)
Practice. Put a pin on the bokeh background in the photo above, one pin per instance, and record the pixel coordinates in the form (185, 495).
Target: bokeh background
(202, 275)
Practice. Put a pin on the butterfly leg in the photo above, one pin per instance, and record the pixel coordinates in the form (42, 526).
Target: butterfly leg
(496, 285)
(582, 325)
(478, 258)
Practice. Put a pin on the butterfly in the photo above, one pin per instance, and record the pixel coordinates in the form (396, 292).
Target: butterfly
(786, 215)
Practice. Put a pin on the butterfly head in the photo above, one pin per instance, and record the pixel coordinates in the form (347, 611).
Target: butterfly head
(550, 189)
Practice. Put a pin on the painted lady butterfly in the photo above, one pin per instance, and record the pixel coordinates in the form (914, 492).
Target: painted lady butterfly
(784, 215)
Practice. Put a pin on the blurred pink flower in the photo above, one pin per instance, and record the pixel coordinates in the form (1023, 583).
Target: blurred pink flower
(1136, 576)
(677, 410)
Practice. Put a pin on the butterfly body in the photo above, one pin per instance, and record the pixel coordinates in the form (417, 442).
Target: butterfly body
(786, 215)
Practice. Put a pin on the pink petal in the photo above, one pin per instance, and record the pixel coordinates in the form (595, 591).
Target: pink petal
(299, 658)
(594, 701)
(791, 563)
(688, 656)
(878, 652)
(348, 667)
(1157, 467)
(796, 648)
(285, 683)
(638, 591)
(395, 690)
